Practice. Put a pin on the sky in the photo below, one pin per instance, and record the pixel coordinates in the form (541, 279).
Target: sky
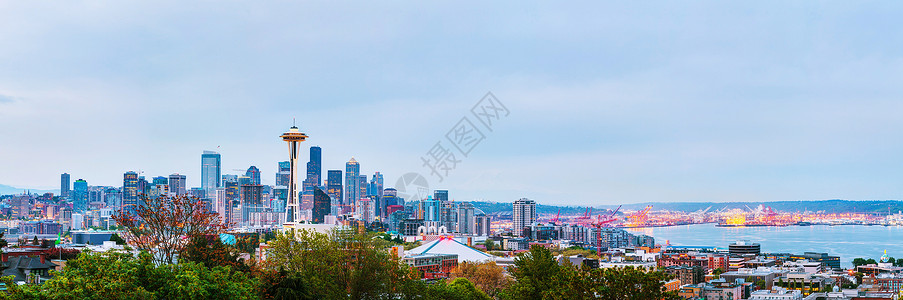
(606, 102)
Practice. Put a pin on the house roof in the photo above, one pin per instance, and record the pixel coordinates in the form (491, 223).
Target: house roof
(448, 245)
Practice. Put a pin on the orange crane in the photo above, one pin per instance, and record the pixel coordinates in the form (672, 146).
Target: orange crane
(639, 219)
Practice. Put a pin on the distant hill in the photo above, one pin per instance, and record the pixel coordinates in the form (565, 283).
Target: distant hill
(10, 190)
(829, 206)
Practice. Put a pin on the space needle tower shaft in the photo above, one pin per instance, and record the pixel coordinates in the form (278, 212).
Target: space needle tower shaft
(292, 137)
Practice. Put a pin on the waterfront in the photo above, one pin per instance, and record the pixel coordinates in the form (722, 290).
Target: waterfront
(848, 242)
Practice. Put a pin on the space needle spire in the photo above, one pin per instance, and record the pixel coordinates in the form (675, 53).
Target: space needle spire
(292, 137)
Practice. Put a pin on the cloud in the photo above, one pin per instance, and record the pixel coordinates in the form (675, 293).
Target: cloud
(7, 99)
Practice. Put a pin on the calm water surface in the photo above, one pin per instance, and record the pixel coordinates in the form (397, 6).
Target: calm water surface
(848, 242)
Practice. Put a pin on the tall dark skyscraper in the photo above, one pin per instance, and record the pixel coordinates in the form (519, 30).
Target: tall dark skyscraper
(314, 165)
(65, 180)
(211, 171)
(129, 191)
(334, 185)
(352, 182)
(80, 195)
(142, 185)
(254, 174)
(321, 206)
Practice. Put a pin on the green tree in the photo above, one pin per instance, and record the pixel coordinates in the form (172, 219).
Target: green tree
(538, 276)
(3, 242)
(457, 289)
(532, 272)
(117, 275)
(342, 264)
(116, 238)
(211, 252)
(489, 244)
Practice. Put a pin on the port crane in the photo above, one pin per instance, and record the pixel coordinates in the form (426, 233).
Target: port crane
(600, 222)
(639, 218)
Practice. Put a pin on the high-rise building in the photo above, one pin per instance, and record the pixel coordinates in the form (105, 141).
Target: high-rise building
(129, 191)
(254, 174)
(282, 175)
(251, 200)
(389, 197)
(352, 182)
(482, 222)
(177, 185)
(334, 185)
(65, 180)
(229, 177)
(465, 218)
(160, 180)
(314, 165)
(440, 195)
(160, 186)
(524, 214)
(244, 180)
(142, 186)
(231, 193)
(375, 188)
(362, 188)
(80, 195)
(321, 207)
(211, 172)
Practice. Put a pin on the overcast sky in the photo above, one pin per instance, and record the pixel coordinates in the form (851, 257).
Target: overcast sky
(609, 103)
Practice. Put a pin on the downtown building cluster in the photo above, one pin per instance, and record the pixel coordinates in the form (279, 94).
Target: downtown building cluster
(241, 200)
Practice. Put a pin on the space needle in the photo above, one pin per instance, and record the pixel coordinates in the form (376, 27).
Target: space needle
(293, 137)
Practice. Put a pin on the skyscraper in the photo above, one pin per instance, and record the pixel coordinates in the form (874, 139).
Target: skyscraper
(313, 166)
(375, 190)
(292, 137)
(142, 186)
(362, 186)
(282, 175)
(389, 197)
(334, 185)
(254, 174)
(321, 206)
(211, 171)
(65, 180)
(465, 218)
(524, 214)
(129, 191)
(177, 185)
(80, 195)
(352, 182)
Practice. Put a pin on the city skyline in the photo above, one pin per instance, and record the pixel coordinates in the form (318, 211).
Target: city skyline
(614, 103)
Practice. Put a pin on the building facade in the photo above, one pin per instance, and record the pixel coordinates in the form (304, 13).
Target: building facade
(211, 172)
(524, 214)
